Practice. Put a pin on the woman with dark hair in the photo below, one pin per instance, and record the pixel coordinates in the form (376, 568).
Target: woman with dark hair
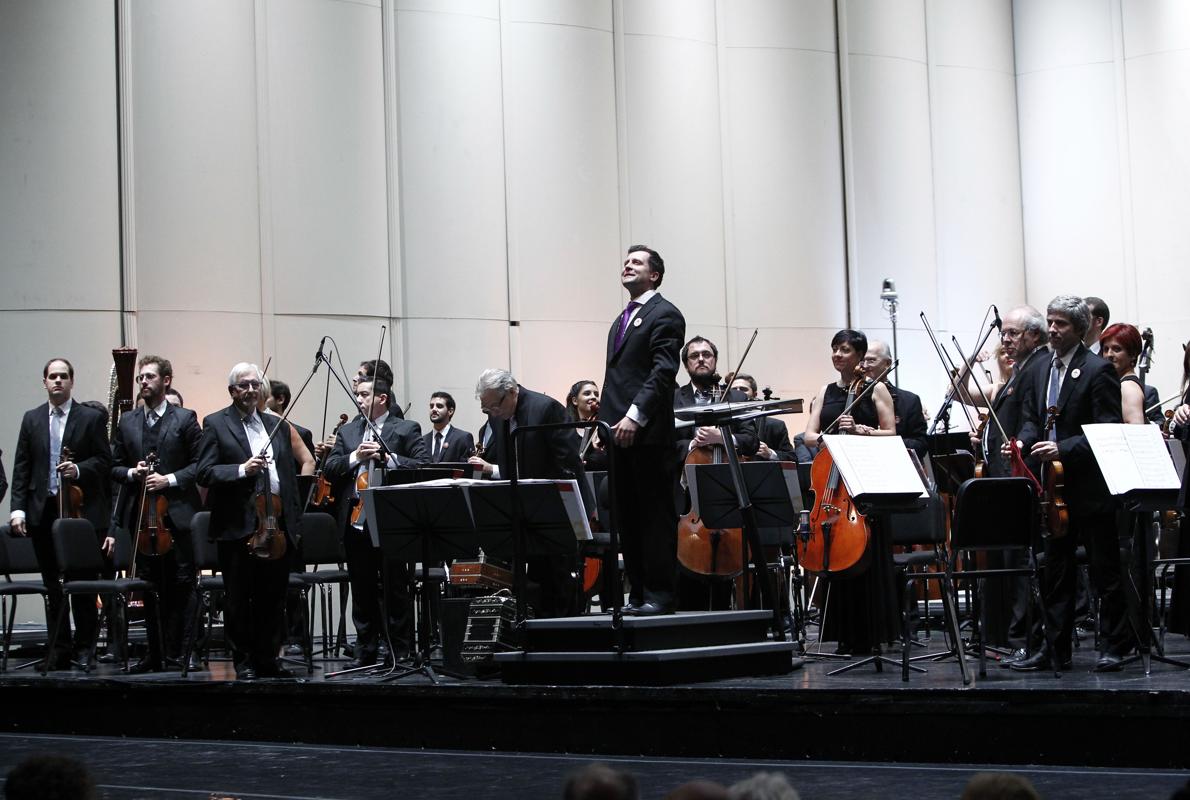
(1120, 344)
(853, 604)
(582, 404)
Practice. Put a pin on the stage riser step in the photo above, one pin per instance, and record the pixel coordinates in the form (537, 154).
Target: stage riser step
(693, 629)
(648, 668)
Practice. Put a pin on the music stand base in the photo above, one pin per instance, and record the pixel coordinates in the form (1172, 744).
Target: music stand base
(1148, 658)
(879, 659)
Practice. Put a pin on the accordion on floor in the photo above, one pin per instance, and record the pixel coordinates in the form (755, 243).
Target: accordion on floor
(490, 627)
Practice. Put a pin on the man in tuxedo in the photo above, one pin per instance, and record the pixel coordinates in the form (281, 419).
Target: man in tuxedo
(1084, 389)
(39, 467)
(232, 467)
(551, 454)
(1099, 315)
(356, 450)
(446, 442)
(172, 434)
(643, 347)
(774, 433)
(911, 419)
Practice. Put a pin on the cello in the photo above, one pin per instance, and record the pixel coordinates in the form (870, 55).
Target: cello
(837, 541)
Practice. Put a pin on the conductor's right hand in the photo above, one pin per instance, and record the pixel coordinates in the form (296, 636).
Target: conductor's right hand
(624, 432)
(17, 526)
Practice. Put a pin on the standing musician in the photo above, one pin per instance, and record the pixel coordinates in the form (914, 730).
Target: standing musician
(1098, 315)
(774, 433)
(549, 454)
(446, 442)
(848, 615)
(232, 467)
(173, 435)
(1084, 389)
(376, 367)
(701, 359)
(1120, 344)
(1179, 428)
(907, 410)
(643, 346)
(355, 450)
(37, 472)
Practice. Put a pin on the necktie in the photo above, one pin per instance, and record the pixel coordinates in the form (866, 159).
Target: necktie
(437, 446)
(623, 331)
(1051, 398)
(152, 418)
(55, 446)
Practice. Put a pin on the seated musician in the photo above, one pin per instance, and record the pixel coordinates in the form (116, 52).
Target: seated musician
(774, 433)
(852, 603)
(446, 442)
(355, 450)
(910, 418)
(1120, 344)
(582, 403)
(698, 592)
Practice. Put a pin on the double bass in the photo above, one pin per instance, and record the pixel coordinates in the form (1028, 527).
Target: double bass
(837, 542)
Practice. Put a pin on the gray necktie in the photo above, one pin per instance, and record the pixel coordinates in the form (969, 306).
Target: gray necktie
(55, 446)
(152, 418)
(1051, 398)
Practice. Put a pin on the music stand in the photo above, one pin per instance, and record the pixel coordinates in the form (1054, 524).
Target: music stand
(426, 523)
(1139, 503)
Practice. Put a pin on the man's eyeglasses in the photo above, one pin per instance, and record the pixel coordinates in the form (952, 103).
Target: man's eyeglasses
(145, 377)
(703, 355)
(1009, 333)
(245, 386)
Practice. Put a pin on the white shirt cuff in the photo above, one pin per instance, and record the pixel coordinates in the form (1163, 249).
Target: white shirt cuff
(636, 416)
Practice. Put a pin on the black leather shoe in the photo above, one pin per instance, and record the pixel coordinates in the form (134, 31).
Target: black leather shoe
(631, 607)
(108, 658)
(653, 610)
(1039, 661)
(1019, 654)
(294, 650)
(245, 673)
(273, 671)
(358, 663)
(1109, 662)
(143, 666)
(84, 661)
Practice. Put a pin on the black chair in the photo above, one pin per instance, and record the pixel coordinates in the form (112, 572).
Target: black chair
(322, 546)
(599, 546)
(208, 587)
(77, 549)
(924, 529)
(17, 557)
(990, 515)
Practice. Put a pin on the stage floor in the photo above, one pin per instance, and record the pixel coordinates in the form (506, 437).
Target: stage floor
(1121, 720)
(153, 769)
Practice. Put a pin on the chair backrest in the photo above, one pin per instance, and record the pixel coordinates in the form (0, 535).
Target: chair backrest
(76, 546)
(320, 539)
(597, 482)
(924, 526)
(17, 555)
(994, 514)
(206, 555)
(122, 553)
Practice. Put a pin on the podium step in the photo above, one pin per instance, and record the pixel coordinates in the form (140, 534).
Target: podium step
(647, 667)
(594, 633)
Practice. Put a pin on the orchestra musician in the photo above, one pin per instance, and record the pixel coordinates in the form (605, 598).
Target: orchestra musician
(643, 346)
(907, 411)
(232, 467)
(277, 400)
(46, 431)
(1179, 612)
(445, 442)
(549, 454)
(1120, 344)
(773, 432)
(356, 449)
(172, 434)
(376, 367)
(853, 603)
(582, 404)
(1098, 315)
(1085, 389)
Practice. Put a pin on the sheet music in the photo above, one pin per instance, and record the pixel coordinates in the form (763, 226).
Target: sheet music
(1132, 457)
(875, 465)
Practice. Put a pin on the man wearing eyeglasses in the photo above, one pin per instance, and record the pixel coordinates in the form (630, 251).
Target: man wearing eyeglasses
(172, 435)
(240, 449)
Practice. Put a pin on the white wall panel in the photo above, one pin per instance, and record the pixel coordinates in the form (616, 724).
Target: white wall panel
(975, 33)
(890, 28)
(327, 208)
(678, 19)
(449, 354)
(562, 177)
(675, 166)
(452, 166)
(1155, 26)
(796, 24)
(58, 183)
(550, 356)
(1061, 33)
(593, 14)
(195, 201)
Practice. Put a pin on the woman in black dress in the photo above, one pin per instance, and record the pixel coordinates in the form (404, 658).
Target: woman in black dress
(1120, 344)
(582, 403)
(857, 603)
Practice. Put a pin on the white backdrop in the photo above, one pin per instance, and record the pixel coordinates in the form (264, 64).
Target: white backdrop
(469, 172)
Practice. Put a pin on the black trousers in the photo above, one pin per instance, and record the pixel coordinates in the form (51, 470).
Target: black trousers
(1098, 533)
(647, 520)
(175, 577)
(364, 564)
(255, 603)
(82, 607)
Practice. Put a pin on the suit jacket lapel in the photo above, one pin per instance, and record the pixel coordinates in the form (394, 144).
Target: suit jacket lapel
(636, 321)
(1076, 363)
(136, 438)
(72, 425)
(236, 426)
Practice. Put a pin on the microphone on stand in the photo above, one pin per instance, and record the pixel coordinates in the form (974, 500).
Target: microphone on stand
(999, 325)
(321, 347)
(888, 299)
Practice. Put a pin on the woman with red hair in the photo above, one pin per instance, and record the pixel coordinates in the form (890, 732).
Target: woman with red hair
(1120, 344)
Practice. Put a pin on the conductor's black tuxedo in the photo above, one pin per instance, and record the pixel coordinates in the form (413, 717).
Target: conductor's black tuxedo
(456, 446)
(85, 434)
(404, 440)
(1090, 393)
(642, 372)
(255, 586)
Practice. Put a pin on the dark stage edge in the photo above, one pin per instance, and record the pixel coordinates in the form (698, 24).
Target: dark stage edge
(1116, 720)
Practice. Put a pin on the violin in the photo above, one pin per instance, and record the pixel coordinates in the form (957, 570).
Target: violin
(981, 462)
(362, 482)
(320, 492)
(268, 540)
(70, 495)
(153, 538)
(838, 537)
(1055, 516)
